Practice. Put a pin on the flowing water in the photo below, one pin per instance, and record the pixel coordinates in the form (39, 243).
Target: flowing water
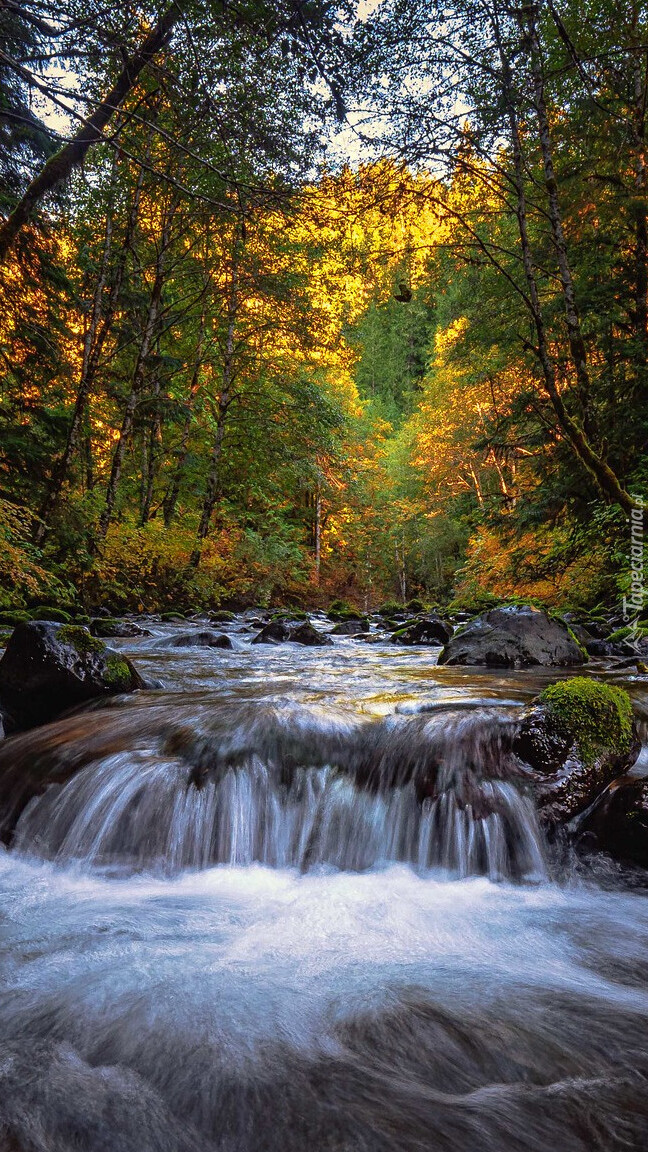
(298, 899)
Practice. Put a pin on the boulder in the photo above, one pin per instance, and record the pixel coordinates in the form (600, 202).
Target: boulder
(350, 628)
(221, 616)
(307, 634)
(274, 633)
(575, 739)
(49, 667)
(513, 637)
(204, 639)
(432, 630)
(617, 823)
(105, 628)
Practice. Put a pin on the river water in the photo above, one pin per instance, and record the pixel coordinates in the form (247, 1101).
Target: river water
(295, 899)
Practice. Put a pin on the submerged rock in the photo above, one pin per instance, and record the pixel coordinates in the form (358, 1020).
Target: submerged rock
(433, 630)
(513, 637)
(204, 639)
(577, 737)
(49, 667)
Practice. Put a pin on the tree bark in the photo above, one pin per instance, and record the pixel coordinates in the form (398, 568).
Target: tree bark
(60, 166)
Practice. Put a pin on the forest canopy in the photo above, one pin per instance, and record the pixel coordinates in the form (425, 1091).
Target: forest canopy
(238, 367)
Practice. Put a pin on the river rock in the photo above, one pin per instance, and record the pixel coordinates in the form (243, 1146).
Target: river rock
(203, 639)
(107, 628)
(350, 628)
(310, 636)
(617, 823)
(513, 637)
(49, 667)
(432, 630)
(575, 739)
(274, 633)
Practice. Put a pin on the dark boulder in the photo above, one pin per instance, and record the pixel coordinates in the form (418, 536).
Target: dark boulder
(576, 738)
(106, 628)
(274, 633)
(350, 628)
(432, 630)
(221, 616)
(49, 667)
(513, 637)
(307, 634)
(204, 639)
(617, 823)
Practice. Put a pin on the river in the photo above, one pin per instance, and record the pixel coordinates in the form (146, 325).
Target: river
(214, 938)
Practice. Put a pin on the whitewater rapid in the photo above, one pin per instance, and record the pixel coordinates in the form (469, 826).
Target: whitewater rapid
(264, 990)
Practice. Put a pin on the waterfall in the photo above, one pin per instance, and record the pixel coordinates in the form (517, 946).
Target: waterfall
(299, 788)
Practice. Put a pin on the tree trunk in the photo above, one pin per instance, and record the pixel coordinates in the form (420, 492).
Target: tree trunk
(148, 338)
(224, 400)
(96, 335)
(60, 166)
(607, 481)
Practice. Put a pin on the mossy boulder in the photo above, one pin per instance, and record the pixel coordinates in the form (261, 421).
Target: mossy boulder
(49, 667)
(577, 736)
(415, 606)
(221, 616)
(389, 608)
(340, 615)
(172, 617)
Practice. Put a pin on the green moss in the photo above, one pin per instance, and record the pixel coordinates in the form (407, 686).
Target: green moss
(597, 716)
(583, 651)
(221, 616)
(15, 617)
(340, 606)
(339, 616)
(171, 616)
(81, 639)
(117, 674)
(628, 633)
(55, 614)
(389, 608)
(415, 606)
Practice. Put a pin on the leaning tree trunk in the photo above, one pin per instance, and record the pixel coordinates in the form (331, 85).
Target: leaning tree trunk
(60, 166)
